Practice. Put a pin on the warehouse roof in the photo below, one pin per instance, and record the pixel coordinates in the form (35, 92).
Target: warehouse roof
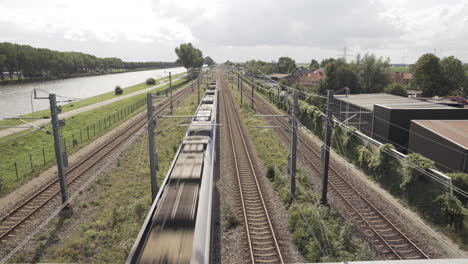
(453, 130)
(368, 101)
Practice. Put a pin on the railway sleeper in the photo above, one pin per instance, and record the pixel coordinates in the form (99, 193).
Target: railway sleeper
(263, 248)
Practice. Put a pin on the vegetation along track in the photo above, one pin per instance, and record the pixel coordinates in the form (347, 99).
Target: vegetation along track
(261, 239)
(383, 234)
(21, 214)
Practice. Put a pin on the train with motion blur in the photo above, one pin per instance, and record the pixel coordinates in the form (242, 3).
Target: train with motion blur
(179, 223)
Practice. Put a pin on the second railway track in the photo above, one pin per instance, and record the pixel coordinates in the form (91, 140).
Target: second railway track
(261, 239)
(383, 234)
(26, 210)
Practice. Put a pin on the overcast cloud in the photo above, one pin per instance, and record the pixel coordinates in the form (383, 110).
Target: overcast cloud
(238, 30)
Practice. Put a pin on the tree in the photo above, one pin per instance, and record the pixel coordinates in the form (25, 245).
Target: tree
(427, 75)
(286, 65)
(339, 75)
(314, 65)
(373, 74)
(2, 63)
(325, 62)
(396, 89)
(189, 56)
(209, 61)
(453, 73)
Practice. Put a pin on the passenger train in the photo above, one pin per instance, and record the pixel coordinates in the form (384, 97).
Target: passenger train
(178, 226)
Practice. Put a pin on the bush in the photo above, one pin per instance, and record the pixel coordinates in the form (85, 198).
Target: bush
(150, 81)
(231, 220)
(460, 180)
(396, 89)
(118, 90)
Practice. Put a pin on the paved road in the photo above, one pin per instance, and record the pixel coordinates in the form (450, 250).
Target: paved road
(10, 131)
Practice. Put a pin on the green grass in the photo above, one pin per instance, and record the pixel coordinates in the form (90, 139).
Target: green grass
(111, 211)
(399, 69)
(74, 134)
(320, 234)
(88, 101)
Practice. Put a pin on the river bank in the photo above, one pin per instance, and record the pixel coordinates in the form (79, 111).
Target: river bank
(63, 77)
(17, 99)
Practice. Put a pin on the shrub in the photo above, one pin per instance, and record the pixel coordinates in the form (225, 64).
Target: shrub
(270, 173)
(118, 90)
(396, 89)
(231, 220)
(460, 180)
(150, 81)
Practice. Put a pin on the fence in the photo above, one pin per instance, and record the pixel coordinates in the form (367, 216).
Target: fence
(20, 169)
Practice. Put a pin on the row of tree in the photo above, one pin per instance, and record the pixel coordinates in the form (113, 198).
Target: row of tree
(434, 76)
(366, 74)
(369, 74)
(283, 65)
(26, 61)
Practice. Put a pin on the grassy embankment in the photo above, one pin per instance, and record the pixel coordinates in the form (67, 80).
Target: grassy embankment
(320, 234)
(399, 69)
(34, 152)
(88, 101)
(112, 210)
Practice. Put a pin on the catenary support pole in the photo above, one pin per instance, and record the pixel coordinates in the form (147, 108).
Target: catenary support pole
(67, 211)
(326, 150)
(253, 95)
(152, 151)
(198, 87)
(170, 90)
(292, 163)
(241, 88)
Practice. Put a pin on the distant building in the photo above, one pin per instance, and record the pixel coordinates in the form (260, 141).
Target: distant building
(402, 78)
(312, 78)
(282, 76)
(387, 118)
(443, 141)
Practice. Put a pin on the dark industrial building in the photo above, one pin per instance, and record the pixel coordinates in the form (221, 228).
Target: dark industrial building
(387, 118)
(443, 141)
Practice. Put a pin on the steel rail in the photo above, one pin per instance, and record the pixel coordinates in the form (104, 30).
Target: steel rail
(333, 182)
(255, 255)
(80, 165)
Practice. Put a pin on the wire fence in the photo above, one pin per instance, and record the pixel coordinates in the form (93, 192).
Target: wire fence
(18, 170)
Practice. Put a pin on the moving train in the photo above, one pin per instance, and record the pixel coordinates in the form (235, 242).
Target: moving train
(179, 223)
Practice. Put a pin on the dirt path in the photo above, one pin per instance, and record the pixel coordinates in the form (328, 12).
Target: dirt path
(11, 131)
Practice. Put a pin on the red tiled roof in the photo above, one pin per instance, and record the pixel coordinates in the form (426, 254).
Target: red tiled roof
(407, 76)
(310, 77)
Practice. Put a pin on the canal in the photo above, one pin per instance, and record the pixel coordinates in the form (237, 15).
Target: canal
(16, 99)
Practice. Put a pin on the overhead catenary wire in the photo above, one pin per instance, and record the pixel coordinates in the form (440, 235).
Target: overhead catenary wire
(70, 199)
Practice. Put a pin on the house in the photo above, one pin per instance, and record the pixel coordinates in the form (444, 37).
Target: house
(402, 78)
(312, 78)
(282, 76)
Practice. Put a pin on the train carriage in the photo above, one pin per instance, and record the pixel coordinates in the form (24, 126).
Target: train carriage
(178, 226)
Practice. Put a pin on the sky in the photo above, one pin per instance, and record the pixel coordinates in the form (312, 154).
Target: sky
(240, 30)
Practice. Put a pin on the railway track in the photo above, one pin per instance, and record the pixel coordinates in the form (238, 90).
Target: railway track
(261, 239)
(383, 234)
(22, 214)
